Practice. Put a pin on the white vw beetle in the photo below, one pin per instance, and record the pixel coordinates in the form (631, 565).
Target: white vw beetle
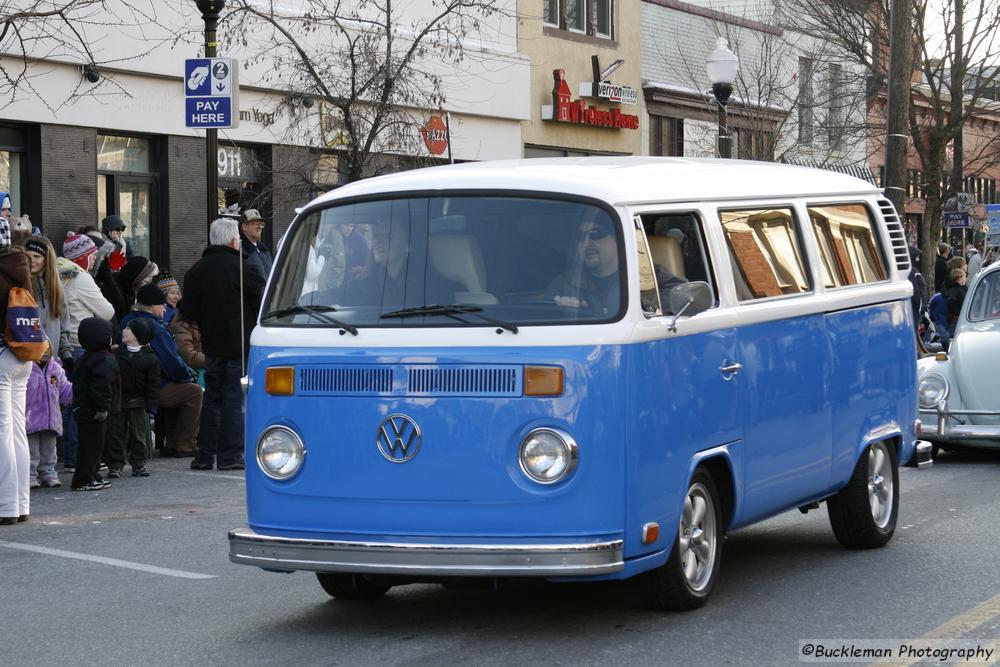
(960, 390)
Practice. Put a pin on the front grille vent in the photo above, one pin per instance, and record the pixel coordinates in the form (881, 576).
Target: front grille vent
(900, 250)
(345, 380)
(464, 381)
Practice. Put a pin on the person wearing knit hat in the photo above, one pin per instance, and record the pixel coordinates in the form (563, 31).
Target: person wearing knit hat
(150, 295)
(128, 430)
(113, 229)
(79, 248)
(171, 291)
(138, 271)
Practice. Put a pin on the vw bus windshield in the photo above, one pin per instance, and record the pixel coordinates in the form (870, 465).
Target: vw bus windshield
(490, 259)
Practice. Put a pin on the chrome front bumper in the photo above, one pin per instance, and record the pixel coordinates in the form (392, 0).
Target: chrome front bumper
(421, 559)
(944, 431)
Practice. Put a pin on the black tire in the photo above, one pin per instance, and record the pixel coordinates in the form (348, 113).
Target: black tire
(852, 509)
(345, 586)
(668, 587)
(935, 450)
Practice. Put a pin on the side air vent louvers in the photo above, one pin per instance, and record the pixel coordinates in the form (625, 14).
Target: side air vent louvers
(345, 380)
(900, 250)
(464, 381)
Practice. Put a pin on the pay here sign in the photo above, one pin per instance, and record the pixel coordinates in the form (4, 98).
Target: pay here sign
(211, 92)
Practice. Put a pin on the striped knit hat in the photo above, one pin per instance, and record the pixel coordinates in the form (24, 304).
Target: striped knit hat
(78, 247)
(165, 281)
(4, 233)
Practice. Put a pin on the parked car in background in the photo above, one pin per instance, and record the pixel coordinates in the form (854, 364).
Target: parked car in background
(960, 390)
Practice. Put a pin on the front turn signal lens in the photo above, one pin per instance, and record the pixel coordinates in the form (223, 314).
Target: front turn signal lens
(280, 380)
(543, 381)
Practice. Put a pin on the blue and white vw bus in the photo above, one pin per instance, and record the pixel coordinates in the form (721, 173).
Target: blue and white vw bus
(576, 369)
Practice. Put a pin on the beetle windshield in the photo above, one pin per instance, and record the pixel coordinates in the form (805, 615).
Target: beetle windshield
(986, 299)
(501, 259)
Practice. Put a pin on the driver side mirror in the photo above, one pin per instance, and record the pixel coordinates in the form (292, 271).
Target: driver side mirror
(689, 299)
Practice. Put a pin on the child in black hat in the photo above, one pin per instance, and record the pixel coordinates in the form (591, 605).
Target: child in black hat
(140, 381)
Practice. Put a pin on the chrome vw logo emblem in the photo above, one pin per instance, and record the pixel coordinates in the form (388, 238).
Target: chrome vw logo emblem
(398, 438)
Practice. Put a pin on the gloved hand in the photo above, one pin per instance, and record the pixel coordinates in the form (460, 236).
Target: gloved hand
(101, 416)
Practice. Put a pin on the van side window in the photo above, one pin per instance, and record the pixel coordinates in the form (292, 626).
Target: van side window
(648, 296)
(676, 244)
(765, 251)
(848, 244)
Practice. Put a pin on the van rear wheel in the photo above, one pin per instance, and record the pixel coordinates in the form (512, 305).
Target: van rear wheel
(346, 586)
(863, 514)
(687, 578)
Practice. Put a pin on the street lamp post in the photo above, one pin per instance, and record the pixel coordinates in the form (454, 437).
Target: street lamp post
(210, 10)
(721, 66)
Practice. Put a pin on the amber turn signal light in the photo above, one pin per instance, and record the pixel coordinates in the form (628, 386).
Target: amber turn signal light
(941, 356)
(280, 380)
(543, 381)
(650, 532)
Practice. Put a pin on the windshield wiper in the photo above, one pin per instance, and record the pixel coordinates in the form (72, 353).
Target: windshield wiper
(315, 311)
(450, 310)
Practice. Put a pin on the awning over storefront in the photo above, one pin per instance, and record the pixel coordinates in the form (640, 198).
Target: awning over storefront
(861, 171)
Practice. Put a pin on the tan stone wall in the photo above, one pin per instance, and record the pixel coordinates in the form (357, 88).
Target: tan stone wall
(551, 49)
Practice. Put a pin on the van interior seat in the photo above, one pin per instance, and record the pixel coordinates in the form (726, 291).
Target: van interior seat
(458, 257)
(667, 254)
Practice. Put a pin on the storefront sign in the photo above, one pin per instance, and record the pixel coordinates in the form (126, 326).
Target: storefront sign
(609, 92)
(435, 134)
(564, 109)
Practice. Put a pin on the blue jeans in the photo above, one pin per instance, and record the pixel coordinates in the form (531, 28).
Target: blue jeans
(68, 441)
(220, 436)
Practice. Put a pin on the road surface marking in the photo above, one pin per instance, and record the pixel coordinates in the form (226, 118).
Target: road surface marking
(106, 561)
(959, 625)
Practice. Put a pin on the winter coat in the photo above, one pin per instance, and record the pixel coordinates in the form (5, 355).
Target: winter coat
(96, 379)
(48, 388)
(140, 373)
(104, 276)
(83, 298)
(212, 299)
(941, 272)
(937, 309)
(14, 272)
(188, 340)
(975, 263)
(56, 330)
(172, 366)
(259, 257)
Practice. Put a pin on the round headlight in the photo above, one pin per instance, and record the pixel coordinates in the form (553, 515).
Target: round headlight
(280, 452)
(932, 389)
(548, 455)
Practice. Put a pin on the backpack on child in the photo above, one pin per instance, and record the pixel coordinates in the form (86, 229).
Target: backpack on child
(24, 334)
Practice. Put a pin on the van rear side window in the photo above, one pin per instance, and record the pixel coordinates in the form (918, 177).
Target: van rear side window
(847, 244)
(766, 254)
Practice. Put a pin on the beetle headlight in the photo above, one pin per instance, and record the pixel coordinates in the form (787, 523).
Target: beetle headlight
(280, 452)
(932, 390)
(548, 455)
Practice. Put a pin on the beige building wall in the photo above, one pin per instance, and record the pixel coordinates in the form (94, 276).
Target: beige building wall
(550, 48)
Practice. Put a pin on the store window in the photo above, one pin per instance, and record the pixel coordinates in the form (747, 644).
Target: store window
(127, 186)
(543, 152)
(240, 171)
(12, 166)
(591, 17)
(666, 136)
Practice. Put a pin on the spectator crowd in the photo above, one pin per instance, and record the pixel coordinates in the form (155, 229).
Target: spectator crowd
(129, 365)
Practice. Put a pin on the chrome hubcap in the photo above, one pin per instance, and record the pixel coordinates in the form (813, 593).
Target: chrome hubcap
(880, 489)
(696, 543)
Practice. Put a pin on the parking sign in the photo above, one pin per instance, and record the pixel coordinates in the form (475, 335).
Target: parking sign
(211, 91)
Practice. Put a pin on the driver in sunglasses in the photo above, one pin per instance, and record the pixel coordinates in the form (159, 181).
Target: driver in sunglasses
(592, 282)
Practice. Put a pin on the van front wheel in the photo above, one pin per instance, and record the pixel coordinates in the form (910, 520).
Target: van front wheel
(863, 514)
(344, 586)
(687, 578)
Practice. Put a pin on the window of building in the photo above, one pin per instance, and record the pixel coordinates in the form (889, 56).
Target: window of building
(754, 144)
(10, 177)
(666, 136)
(848, 245)
(127, 186)
(766, 254)
(835, 118)
(543, 152)
(591, 17)
(806, 101)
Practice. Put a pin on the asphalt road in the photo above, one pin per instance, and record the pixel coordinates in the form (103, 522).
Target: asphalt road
(169, 595)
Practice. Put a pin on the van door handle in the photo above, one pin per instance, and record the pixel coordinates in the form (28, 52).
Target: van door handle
(729, 370)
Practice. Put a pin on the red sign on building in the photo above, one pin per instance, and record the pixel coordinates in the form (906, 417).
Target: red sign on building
(435, 134)
(565, 109)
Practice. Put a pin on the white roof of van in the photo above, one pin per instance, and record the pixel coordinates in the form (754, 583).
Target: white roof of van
(620, 180)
